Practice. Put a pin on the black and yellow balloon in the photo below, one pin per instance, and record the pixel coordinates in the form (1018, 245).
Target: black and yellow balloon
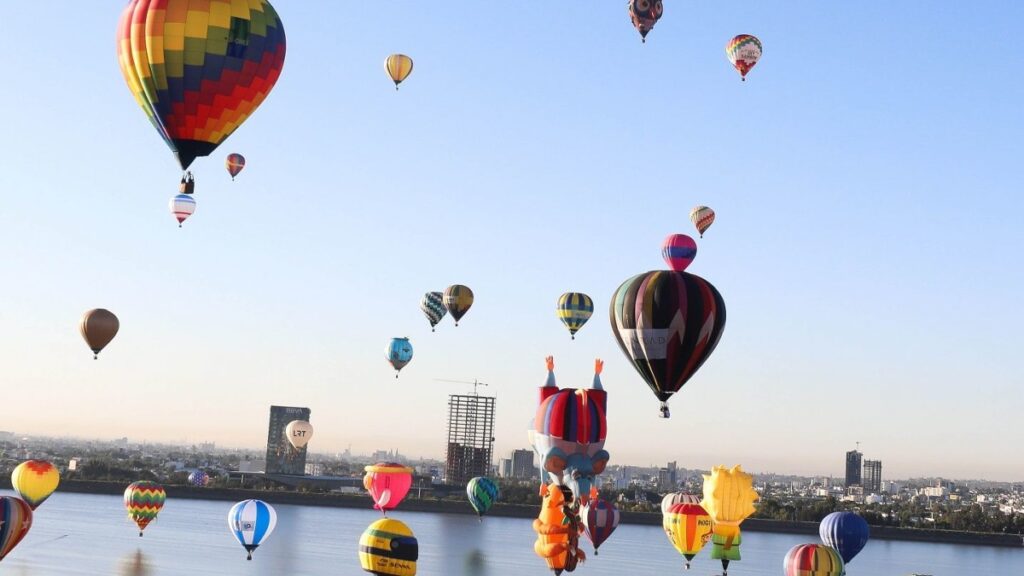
(574, 309)
(388, 548)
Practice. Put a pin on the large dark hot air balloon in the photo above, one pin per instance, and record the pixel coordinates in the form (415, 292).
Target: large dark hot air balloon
(644, 14)
(667, 323)
(98, 327)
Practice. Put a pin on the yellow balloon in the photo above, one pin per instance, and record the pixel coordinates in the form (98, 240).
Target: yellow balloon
(388, 548)
(34, 481)
(729, 499)
(398, 66)
(688, 527)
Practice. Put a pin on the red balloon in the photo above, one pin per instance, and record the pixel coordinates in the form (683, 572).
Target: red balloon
(678, 250)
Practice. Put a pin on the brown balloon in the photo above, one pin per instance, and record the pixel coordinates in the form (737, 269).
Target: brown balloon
(98, 327)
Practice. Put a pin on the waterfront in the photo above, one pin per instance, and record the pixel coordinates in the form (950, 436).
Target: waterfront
(89, 534)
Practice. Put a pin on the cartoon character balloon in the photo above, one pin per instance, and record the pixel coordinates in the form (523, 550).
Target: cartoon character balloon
(432, 305)
(251, 522)
(398, 67)
(299, 433)
(600, 518)
(399, 353)
(743, 51)
(98, 328)
(482, 493)
(387, 483)
(688, 527)
(234, 163)
(34, 481)
(388, 548)
(568, 433)
(574, 309)
(15, 522)
(182, 206)
(702, 217)
(644, 14)
(558, 530)
(199, 69)
(729, 499)
(813, 560)
(458, 299)
(847, 532)
(678, 250)
(144, 500)
(667, 324)
(199, 478)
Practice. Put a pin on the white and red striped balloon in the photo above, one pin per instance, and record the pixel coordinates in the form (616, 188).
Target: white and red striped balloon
(182, 206)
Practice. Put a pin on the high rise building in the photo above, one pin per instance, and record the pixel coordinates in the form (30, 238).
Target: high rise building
(853, 465)
(522, 465)
(282, 457)
(470, 437)
(873, 476)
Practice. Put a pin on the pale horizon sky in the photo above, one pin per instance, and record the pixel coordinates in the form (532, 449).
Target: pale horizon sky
(866, 179)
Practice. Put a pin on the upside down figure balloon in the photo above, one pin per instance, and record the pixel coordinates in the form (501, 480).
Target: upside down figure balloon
(558, 530)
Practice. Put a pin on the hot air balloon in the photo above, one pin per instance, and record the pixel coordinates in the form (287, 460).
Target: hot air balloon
(199, 478)
(600, 518)
(198, 70)
(388, 548)
(251, 521)
(234, 163)
(667, 324)
(433, 308)
(743, 51)
(482, 493)
(678, 250)
(15, 522)
(558, 530)
(398, 67)
(399, 353)
(729, 499)
(387, 483)
(847, 532)
(688, 527)
(702, 217)
(568, 433)
(34, 481)
(182, 206)
(644, 14)
(144, 499)
(677, 498)
(458, 299)
(813, 560)
(574, 309)
(98, 327)
(299, 433)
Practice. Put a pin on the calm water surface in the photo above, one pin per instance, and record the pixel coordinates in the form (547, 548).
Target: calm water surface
(90, 535)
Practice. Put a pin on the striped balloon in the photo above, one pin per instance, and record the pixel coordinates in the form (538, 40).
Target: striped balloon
(199, 478)
(483, 493)
(678, 250)
(688, 527)
(182, 206)
(15, 521)
(234, 163)
(600, 517)
(388, 548)
(813, 560)
(143, 500)
(251, 521)
(574, 309)
(743, 51)
(34, 481)
(674, 498)
(398, 67)
(458, 299)
(432, 305)
(702, 217)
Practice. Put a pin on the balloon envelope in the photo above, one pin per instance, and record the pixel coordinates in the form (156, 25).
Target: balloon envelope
(432, 305)
(299, 433)
(199, 69)
(482, 493)
(388, 548)
(702, 217)
(644, 14)
(387, 483)
(234, 163)
(199, 478)
(98, 328)
(15, 522)
(688, 527)
(34, 481)
(399, 353)
(678, 250)
(743, 51)
(846, 532)
(600, 518)
(251, 522)
(458, 299)
(182, 206)
(398, 67)
(673, 498)
(574, 309)
(143, 500)
(813, 560)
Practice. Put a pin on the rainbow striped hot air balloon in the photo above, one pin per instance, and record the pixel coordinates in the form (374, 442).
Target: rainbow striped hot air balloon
(15, 522)
(743, 51)
(813, 560)
(34, 481)
(574, 309)
(143, 500)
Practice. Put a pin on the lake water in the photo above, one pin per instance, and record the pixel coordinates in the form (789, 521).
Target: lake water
(90, 535)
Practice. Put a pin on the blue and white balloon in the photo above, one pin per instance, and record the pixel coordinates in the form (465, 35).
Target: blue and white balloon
(251, 521)
(399, 353)
(846, 532)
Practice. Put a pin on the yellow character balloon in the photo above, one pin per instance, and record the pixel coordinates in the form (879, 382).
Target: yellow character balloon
(729, 499)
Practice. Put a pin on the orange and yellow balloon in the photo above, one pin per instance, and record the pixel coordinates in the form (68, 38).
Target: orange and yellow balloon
(398, 67)
(688, 527)
(34, 481)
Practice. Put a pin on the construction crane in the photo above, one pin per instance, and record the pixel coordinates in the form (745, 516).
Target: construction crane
(475, 383)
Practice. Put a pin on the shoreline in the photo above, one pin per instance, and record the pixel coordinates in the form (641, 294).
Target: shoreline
(529, 512)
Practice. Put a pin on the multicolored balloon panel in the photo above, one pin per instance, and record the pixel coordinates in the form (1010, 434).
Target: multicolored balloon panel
(702, 217)
(813, 560)
(432, 305)
(251, 522)
(15, 522)
(600, 518)
(743, 51)
(667, 324)
(143, 500)
(458, 299)
(644, 14)
(199, 69)
(482, 493)
(34, 481)
(678, 250)
(388, 548)
(574, 309)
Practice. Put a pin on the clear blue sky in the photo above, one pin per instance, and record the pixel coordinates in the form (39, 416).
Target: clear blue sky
(868, 243)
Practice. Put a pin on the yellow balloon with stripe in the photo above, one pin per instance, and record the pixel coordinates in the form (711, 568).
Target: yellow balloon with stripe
(34, 481)
(398, 66)
(388, 548)
(574, 309)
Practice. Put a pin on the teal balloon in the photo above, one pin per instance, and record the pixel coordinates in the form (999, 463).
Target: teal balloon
(399, 353)
(483, 493)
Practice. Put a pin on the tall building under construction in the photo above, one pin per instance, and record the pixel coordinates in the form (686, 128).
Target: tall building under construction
(470, 437)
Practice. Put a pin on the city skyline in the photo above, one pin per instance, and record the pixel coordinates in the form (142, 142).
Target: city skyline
(863, 245)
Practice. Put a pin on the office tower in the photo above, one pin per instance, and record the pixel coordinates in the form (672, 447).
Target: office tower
(872, 476)
(282, 458)
(470, 437)
(522, 465)
(853, 466)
